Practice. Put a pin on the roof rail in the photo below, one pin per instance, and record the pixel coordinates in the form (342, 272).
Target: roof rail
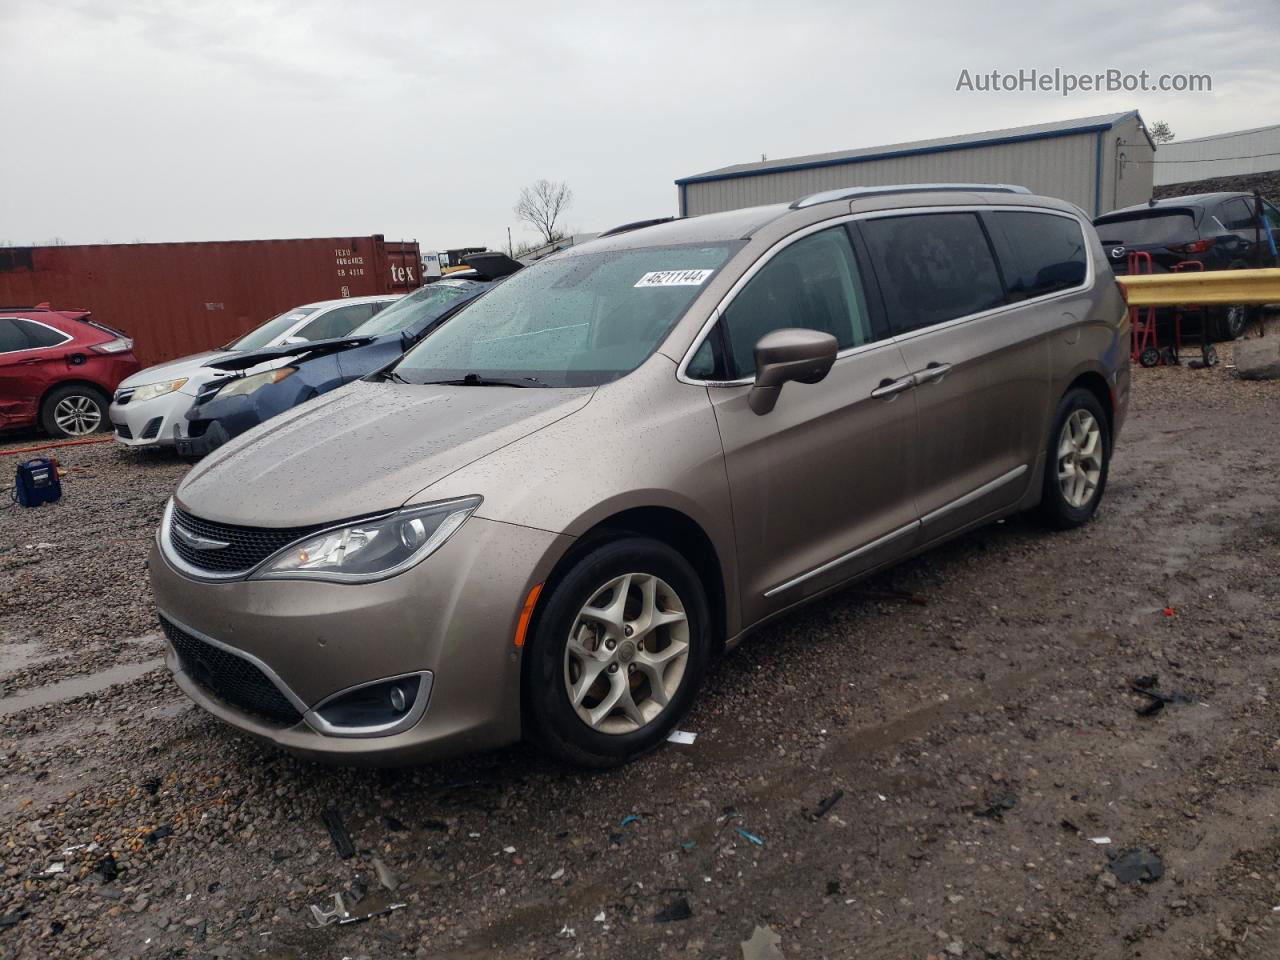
(853, 193)
(637, 225)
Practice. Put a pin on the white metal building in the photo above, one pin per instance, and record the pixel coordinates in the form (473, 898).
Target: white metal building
(1094, 162)
(1223, 155)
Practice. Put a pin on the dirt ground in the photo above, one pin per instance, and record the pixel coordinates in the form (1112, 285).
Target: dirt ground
(971, 710)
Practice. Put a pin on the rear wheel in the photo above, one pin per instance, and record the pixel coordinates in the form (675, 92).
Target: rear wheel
(75, 410)
(1228, 323)
(1077, 461)
(618, 653)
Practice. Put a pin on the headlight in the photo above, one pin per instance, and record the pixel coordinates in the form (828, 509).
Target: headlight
(371, 549)
(246, 385)
(152, 390)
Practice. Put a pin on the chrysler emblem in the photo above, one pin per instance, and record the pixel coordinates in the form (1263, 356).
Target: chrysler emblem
(197, 542)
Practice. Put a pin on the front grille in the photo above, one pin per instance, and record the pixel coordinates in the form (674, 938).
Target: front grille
(123, 431)
(152, 428)
(246, 547)
(124, 395)
(230, 678)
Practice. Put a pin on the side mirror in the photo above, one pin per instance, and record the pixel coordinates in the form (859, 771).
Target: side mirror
(805, 356)
(290, 341)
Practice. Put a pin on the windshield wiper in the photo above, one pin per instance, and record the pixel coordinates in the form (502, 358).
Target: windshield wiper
(392, 375)
(475, 380)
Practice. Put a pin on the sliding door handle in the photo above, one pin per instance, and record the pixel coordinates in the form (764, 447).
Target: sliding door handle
(934, 371)
(889, 389)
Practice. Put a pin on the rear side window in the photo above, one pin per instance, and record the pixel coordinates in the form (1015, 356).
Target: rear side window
(38, 335)
(1237, 215)
(337, 322)
(11, 338)
(933, 267)
(1154, 229)
(1046, 253)
(814, 283)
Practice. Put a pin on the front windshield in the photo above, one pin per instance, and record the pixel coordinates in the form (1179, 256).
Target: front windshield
(579, 319)
(259, 337)
(418, 307)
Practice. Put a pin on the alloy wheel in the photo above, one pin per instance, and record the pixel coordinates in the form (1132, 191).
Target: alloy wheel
(1079, 458)
(77, 415)
(626, 654)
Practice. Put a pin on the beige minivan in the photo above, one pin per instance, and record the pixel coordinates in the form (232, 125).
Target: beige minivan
(546, 519)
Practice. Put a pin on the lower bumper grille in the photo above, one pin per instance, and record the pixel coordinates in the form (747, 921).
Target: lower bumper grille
(230, 678)
(123, 431)
(152, 429)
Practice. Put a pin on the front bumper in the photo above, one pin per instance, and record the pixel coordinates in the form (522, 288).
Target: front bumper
(149, 423)
(453, 617)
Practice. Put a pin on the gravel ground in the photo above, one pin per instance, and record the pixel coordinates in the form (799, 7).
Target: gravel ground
(972, 708)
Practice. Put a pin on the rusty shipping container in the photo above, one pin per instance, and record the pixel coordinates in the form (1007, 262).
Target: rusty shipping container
(179, 298)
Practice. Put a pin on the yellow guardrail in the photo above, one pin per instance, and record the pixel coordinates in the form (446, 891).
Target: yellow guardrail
(1202, 287)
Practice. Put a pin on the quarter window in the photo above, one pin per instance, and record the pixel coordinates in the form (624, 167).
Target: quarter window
(813, 283)
(1046, 253)
(1238, 215)
(933, 267)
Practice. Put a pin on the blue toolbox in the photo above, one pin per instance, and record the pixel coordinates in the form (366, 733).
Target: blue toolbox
(37, 482)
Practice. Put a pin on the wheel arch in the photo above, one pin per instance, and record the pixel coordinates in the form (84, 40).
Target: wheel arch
(1097, 384)
(666, 524)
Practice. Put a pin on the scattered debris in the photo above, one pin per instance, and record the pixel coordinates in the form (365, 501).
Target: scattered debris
(599, 917)
(748, 835)
(338, 831)
(151, 786)
(558, 874)
(1100, 841)
(629, 818)
(1169, 612)
(825, 804)
(508, 849)
(688, 846)
(682, 737)
(678, 909)
(385, 876)
(159, 833)
(1137, 865)
(567, 932)
(56, 867)
(1145, 686)
(1068, 825)
(340, 915)
(763, 945)
(996, 810)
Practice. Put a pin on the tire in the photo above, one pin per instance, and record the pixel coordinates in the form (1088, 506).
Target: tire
(554, 666)
(74, 410)
(1087, 480)
(1229, 323)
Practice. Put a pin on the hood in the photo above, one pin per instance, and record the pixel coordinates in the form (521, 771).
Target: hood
(363, 448)
(303, 351)
(172, 369)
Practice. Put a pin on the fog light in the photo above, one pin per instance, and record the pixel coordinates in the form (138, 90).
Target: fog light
(374, 709)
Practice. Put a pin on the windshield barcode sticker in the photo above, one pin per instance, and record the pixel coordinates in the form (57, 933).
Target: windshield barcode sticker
(674, 278)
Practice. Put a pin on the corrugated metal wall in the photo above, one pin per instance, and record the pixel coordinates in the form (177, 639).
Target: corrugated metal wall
(179, 298)
(1055, 167)
(1127, 167)
(1226, 155)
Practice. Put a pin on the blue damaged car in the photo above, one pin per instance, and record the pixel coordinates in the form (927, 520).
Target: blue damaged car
(270, 381)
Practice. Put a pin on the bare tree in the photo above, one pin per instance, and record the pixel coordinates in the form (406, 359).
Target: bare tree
(541, 206)
(1160, 132)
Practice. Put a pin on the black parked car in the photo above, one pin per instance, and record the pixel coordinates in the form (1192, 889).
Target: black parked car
(1219, 230)
(291, 374)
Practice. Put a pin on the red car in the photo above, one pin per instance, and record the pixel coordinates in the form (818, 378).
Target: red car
(58, 369)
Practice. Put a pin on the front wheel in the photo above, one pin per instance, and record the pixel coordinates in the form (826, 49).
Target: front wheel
(618, 653)
(1229, 322)
(1077, 461)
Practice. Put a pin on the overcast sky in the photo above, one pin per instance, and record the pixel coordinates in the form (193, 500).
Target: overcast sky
(129, 120)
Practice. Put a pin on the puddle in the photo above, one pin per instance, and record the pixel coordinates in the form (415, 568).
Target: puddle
(15, 656)
(76, 686)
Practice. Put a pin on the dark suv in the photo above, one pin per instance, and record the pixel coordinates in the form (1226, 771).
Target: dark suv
(1219, 230)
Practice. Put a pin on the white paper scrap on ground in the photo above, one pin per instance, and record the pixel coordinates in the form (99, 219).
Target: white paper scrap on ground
(1101, 841)
(682, 736)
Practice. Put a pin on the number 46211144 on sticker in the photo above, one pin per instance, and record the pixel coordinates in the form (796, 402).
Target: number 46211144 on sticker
(674, 278)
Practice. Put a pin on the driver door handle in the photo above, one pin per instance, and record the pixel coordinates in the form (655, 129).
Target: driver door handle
(889, 389)
(934, 371)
